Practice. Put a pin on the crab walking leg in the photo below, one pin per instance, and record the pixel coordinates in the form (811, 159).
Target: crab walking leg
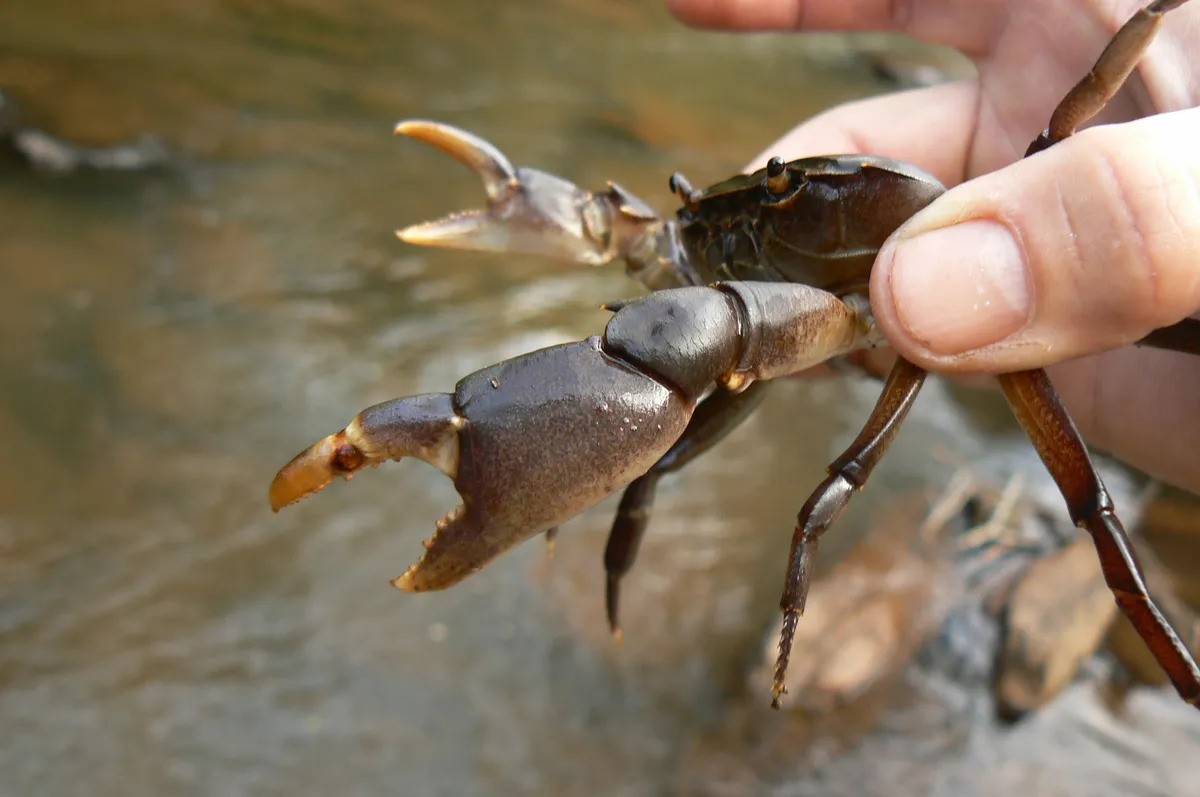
(847, 474)
(1053, 434)
(715, 417)
(1112, 68)
(1046, 422)
(533, 441)
(1089, 96)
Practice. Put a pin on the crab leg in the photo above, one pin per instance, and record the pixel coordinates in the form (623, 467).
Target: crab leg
(1046, 422)
(533, 441)
(847, 474)
(715, 417)
(1119, 58)
(1039, 411)
(1053, 434)
(1182, 336)
(1089, 96)
(535, 213)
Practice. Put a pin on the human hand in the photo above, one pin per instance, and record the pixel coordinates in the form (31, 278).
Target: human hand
(1081, 249)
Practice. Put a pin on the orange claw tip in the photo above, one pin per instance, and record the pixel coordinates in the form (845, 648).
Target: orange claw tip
(410, 581)
(432, 132)
(313, 469)
(402, 583)
(477, 154)
(415, 127)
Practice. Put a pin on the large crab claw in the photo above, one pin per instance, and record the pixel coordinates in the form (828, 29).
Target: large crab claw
(529, 443)
(535, 213)
(533, 441)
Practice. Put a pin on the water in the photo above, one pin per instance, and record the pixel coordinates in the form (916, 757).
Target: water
(170, 338)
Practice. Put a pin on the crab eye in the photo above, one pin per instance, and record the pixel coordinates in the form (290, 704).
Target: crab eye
(680, 186)
(778, 180)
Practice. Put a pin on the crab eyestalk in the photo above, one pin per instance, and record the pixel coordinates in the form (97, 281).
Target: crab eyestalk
(532, 212)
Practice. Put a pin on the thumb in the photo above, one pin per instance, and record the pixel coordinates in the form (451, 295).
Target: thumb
(1085, 247)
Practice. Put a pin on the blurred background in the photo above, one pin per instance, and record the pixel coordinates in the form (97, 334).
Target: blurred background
(199, 278)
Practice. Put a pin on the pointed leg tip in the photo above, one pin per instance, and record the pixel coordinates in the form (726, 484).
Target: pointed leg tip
(612, 595)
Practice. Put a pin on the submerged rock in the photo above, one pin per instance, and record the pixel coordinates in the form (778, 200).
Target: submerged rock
(47, 152)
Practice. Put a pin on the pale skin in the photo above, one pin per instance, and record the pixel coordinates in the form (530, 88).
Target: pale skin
(1060, 260)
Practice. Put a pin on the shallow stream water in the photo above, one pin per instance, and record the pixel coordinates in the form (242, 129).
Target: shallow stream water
(169, 338)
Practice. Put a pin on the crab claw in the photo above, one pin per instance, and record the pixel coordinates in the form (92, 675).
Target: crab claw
(532, 212)
(529, 442)
(533, 441)
(422, 426)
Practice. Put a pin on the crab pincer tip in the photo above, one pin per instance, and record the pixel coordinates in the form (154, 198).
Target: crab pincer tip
(406, 126)
(402, 582)
(313, 469)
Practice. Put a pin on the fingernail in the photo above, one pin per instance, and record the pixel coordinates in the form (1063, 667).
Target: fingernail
(962, 287)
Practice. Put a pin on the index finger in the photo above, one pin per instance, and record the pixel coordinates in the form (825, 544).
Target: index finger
(969, 25)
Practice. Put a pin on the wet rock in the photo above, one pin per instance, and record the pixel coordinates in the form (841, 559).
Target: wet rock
(49, 153)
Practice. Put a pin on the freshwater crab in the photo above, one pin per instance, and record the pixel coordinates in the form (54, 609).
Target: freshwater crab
(757, 277)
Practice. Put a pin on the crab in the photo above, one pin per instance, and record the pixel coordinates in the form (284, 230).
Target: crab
(757, 277)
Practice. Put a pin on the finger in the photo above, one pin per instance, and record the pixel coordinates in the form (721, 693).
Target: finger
(1083, 248)
(1139, 405)
(915, 120)
(970, 25)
